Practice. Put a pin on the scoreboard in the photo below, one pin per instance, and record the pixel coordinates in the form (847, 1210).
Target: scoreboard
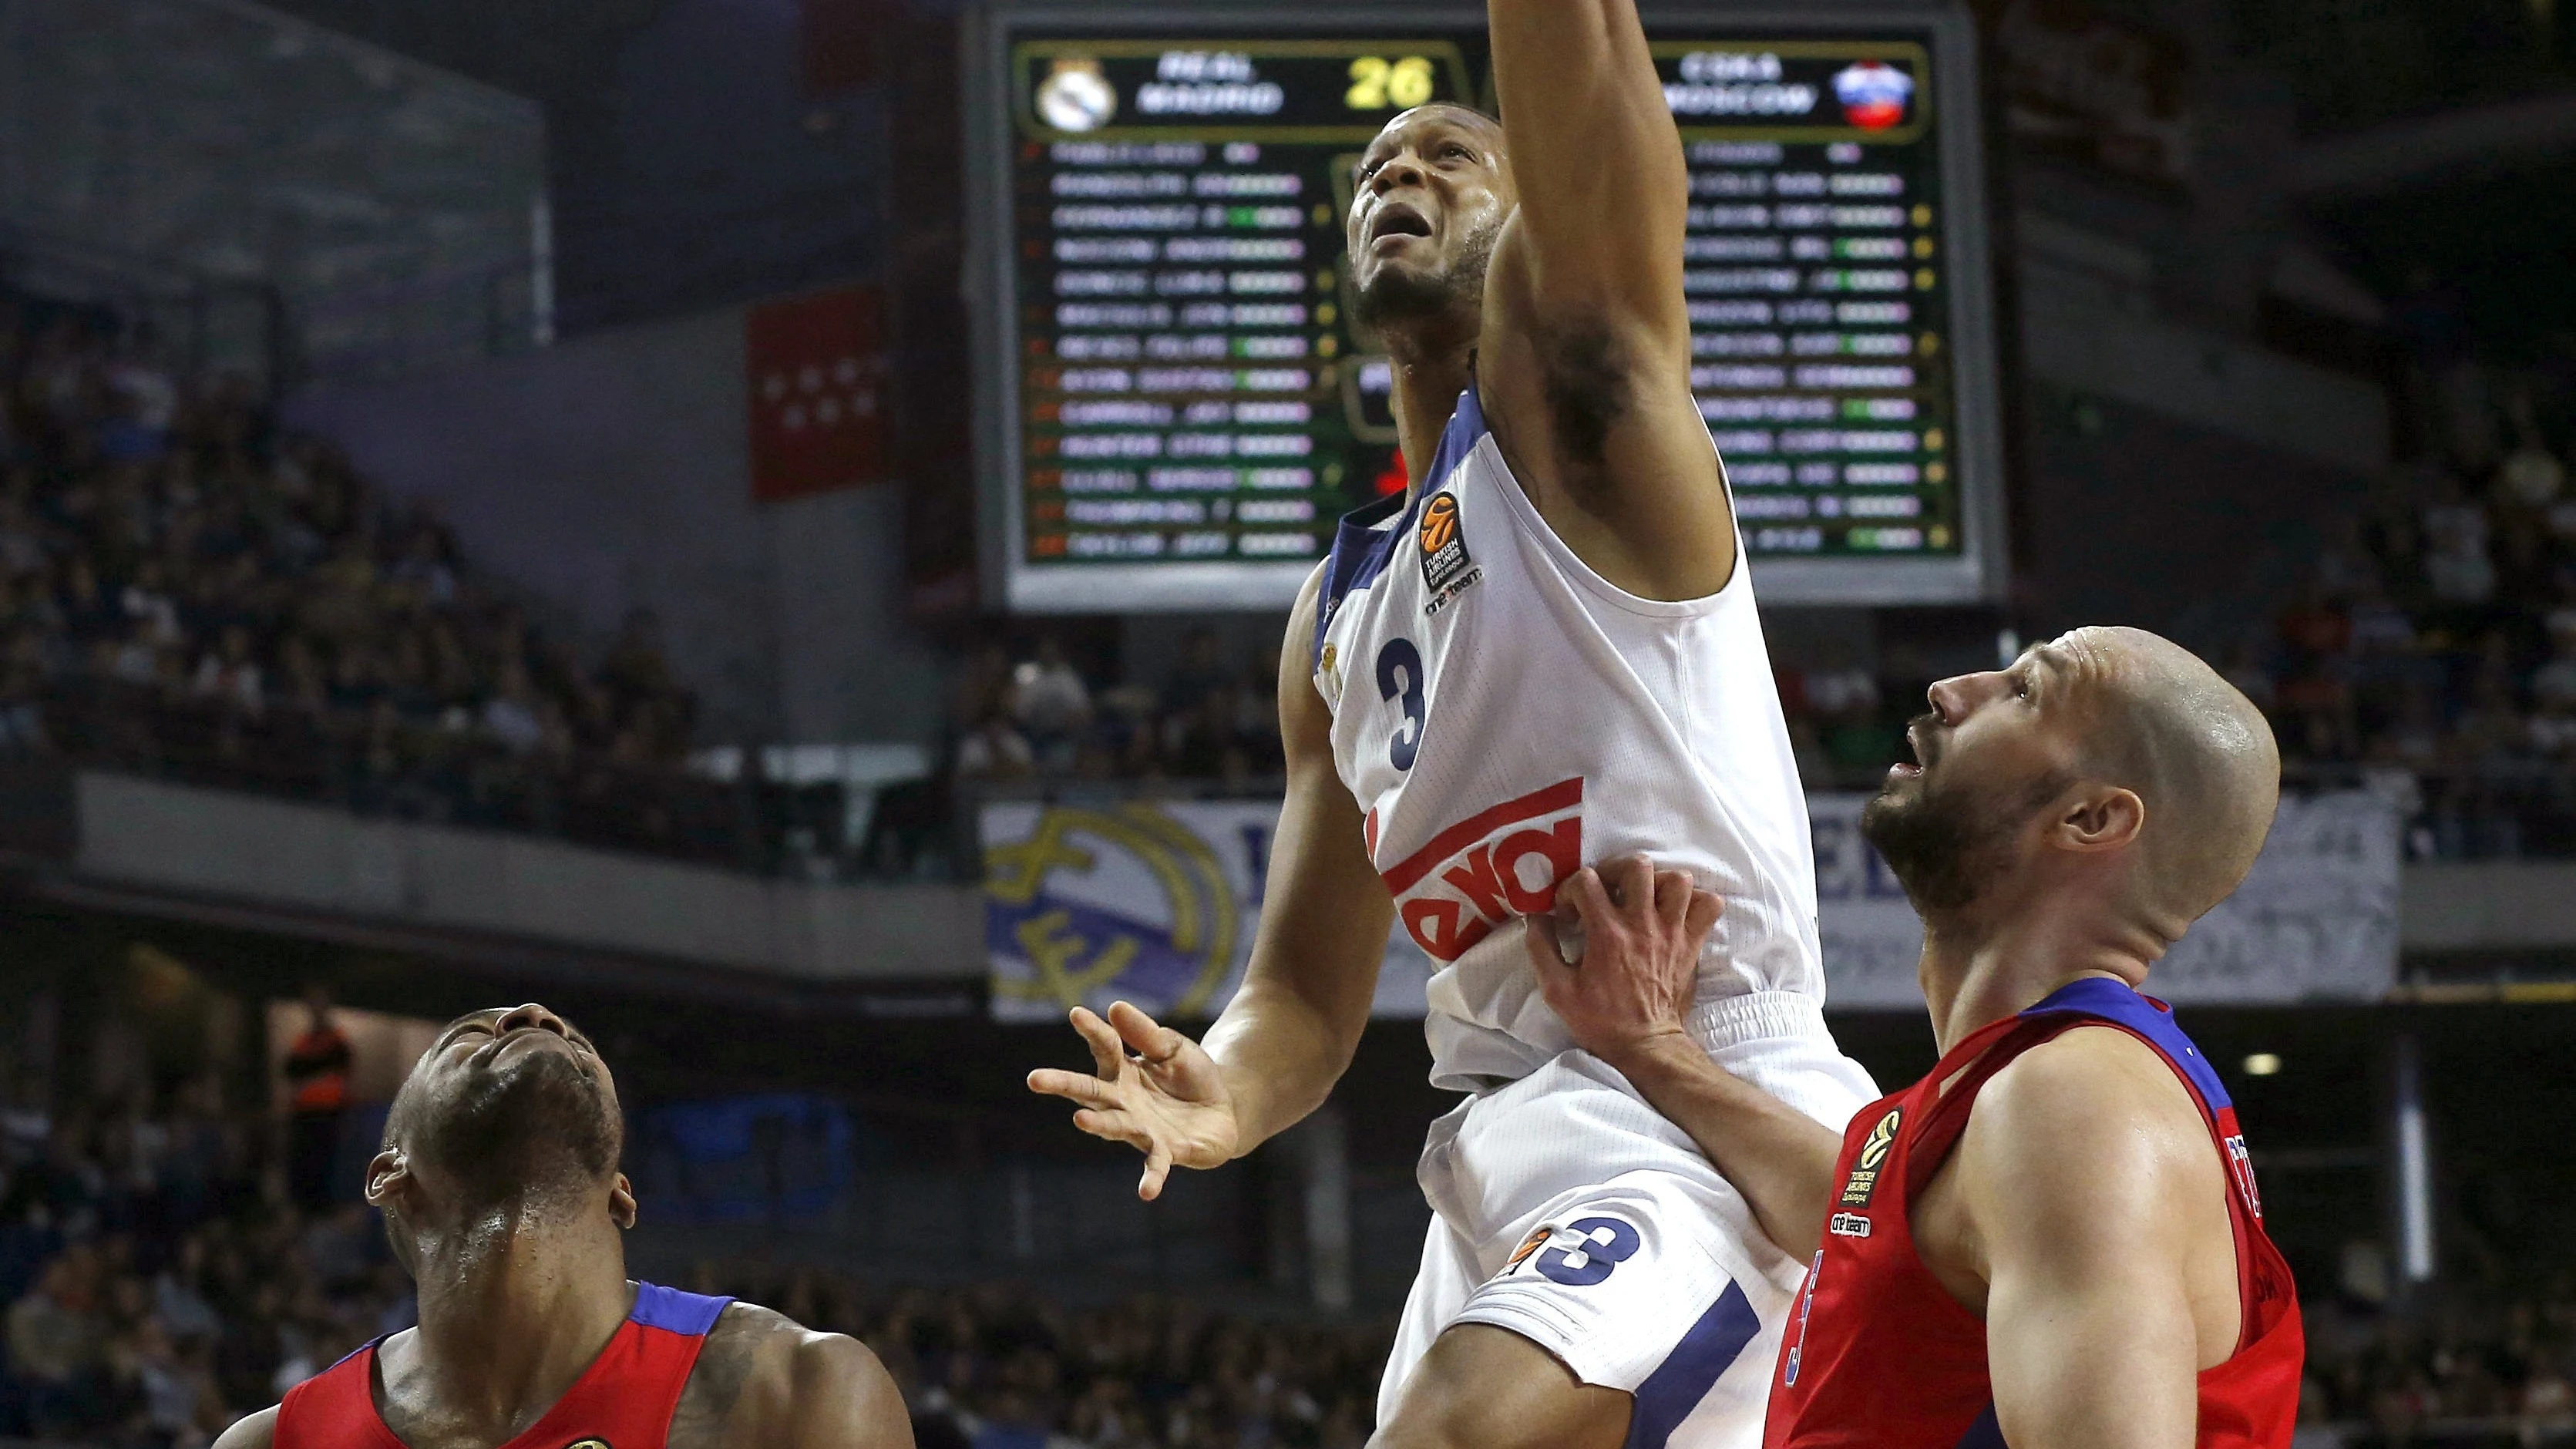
(1173, 405)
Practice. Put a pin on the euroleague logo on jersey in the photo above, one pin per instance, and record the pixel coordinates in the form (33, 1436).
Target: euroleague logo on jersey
(1871, 1161)
(1447, 571)
(1487, 869)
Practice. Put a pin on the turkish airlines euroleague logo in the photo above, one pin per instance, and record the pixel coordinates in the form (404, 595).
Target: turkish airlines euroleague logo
(1439, 523)
(1447, 571)
(1488, 868)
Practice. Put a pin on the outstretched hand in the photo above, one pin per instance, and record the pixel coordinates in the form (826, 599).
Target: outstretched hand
(1641, 935)
(1151, 1088)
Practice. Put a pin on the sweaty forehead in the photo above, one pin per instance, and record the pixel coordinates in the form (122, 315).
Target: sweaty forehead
(1437, 118)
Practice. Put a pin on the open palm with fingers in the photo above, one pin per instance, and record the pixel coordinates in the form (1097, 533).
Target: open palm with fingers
(1151, 1088)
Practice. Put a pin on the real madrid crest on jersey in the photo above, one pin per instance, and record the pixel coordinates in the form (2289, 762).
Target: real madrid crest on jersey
(1871, 1161)
(1447, 571)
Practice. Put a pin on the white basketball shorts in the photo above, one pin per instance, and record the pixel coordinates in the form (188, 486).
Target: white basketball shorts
(1568, 1211)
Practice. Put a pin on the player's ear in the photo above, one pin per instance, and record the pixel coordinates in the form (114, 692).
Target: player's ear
(388, 1177)
(621, 1202)
(2101, 817)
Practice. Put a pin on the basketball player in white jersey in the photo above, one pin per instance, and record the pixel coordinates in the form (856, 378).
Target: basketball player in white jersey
(1544, 655)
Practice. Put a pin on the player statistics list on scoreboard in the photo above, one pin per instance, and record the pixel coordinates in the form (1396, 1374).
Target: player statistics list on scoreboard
(1190, 386)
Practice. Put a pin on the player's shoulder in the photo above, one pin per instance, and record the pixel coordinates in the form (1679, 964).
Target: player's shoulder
(771, 1380)
(1310, 597)
(2093, 1106)
(251, 1431)
(2092, 1074)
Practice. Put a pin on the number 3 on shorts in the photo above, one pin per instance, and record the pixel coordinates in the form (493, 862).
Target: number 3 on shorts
(1601, 1244)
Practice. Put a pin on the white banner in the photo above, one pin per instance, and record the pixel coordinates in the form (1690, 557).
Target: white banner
(2316, 920)
(1156, 902)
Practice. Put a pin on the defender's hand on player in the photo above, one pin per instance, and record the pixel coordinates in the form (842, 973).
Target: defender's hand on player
(1641, 935)
(1152, 1088)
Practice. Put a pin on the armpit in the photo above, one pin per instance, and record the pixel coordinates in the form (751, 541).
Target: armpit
(1584, 375)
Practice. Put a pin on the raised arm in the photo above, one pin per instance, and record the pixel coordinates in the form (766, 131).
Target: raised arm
(2095, 1198)
(1603, 190)
(1625, 1002)
(1586, 332)
(1290, 1031)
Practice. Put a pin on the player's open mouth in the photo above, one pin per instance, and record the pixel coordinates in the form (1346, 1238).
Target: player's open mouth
(1400, 218)
(1909, 769)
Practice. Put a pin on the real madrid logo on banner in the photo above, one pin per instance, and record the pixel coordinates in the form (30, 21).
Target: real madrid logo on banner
(1123, 901)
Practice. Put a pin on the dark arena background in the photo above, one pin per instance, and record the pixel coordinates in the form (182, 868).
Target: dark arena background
(766, 525)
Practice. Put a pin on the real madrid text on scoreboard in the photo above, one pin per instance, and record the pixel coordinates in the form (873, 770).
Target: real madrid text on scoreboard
(1175, 406)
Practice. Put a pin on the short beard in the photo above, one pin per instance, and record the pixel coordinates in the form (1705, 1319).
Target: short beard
(1395, 298)
(540, 1134)
(1946, 847)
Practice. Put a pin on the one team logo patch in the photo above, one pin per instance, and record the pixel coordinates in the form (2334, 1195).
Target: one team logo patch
(1871, 1161)
(1447, 572)
(587, 1444)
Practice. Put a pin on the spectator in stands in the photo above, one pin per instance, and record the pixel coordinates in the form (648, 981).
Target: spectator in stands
(57, 1342)
(317, 1070)
(1051, 703)
(2459, 568)
(995, 750)
(229, 676)
(513, 714)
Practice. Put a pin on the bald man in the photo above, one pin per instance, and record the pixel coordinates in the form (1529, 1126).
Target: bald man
(2054, 1239)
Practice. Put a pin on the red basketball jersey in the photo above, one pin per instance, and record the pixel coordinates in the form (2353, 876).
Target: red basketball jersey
(1879, 1354)
(624, 1399)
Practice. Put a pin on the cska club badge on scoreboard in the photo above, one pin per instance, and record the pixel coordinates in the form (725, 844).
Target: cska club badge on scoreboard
(1873, 94)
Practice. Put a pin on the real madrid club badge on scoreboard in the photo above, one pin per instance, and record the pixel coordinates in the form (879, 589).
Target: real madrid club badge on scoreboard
(1075, 97)
(1176, 407)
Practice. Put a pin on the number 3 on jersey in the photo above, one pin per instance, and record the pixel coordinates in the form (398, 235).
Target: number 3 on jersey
(1399, 676)
(1598, 1245)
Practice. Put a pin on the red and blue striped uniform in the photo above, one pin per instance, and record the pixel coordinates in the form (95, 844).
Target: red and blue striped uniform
(624, 1399)
(1879, 1354)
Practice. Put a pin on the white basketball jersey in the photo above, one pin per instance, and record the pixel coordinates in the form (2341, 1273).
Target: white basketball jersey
(1504, 717)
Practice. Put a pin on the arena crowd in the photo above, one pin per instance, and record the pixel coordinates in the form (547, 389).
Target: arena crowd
(188, 589)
